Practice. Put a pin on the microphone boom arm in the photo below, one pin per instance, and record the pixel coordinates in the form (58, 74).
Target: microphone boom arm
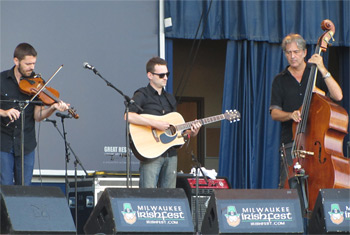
(127, 102)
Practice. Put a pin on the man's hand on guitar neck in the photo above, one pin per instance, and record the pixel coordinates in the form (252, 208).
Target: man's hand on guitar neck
(195, 127)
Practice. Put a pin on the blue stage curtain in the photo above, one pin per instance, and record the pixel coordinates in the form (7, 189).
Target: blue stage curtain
(249, 154)
(344, 73)
(169, 59)
(249, 148)
(258, 20)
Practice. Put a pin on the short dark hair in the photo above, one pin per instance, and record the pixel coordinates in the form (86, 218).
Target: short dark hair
(24, 49)
(153, 62)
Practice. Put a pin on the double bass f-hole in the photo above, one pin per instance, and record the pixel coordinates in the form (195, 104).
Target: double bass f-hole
(320, 152)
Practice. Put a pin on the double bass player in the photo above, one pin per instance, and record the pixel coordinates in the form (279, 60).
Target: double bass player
(288, 90)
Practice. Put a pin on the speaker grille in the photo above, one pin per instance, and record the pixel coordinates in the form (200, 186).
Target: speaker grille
(34, 210)
(205, 189)
(203, 202)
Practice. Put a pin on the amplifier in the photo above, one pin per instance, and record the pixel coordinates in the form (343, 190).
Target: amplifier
(205, 189)
(220, 183)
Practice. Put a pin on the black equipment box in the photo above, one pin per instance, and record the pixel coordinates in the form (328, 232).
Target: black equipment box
(89, 191)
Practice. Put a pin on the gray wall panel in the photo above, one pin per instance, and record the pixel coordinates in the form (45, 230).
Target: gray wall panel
(117, 37)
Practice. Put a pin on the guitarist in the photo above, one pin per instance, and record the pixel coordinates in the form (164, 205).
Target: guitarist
(153, 99)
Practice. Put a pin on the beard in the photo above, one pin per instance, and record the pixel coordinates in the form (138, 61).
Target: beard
(25, 74)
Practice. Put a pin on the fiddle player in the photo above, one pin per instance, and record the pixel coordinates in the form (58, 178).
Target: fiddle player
(153, 99)
(10, 155)
(288, 90)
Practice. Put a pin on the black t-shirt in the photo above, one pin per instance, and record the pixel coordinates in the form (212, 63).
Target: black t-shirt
(288, 94)
(11, 134)
(153, 103)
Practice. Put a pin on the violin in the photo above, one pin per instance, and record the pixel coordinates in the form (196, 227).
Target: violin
(48, 95)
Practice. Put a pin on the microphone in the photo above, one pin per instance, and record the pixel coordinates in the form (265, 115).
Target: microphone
(88, 66)
(49, 120)
(62, 115)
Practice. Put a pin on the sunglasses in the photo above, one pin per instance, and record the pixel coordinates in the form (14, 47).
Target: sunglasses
(162, 75)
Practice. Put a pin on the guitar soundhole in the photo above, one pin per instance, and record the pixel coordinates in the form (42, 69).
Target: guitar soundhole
(171, 130)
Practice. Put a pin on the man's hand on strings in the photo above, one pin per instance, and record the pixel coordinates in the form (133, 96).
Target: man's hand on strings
(295, 116)
(318, 61)
(160, 125)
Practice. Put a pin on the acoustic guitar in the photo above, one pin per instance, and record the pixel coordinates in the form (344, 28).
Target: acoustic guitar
(148, 142)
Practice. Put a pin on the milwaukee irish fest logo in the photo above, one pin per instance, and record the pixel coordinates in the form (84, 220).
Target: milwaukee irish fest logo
(337, 215)
(242, 216)
(129, 214)
(148, 214)
(153, 214)
(259, 216)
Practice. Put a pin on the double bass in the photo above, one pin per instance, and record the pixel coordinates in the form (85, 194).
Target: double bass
(317, 150)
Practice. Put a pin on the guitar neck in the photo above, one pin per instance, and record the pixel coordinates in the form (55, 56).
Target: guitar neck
(204, 121)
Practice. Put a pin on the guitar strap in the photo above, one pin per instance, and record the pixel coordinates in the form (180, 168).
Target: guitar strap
(168, 96)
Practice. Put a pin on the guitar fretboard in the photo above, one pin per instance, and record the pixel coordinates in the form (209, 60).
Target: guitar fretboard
(204, 121)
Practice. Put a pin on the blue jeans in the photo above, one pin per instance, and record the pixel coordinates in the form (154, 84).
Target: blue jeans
(11, 168)
(161, 172)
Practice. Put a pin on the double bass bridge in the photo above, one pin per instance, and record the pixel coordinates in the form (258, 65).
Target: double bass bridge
(302, 153)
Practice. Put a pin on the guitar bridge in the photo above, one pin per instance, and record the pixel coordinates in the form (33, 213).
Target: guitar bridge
(155, 135)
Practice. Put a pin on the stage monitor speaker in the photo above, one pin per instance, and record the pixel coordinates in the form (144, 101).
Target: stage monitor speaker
(205, 189)
(331, 212)
(146, 211)
(34, 210)
(260, 211)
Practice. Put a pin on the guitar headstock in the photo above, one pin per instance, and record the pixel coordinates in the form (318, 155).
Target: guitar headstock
(232, 116)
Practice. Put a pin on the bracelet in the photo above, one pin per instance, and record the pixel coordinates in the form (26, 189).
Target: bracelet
(328, 74)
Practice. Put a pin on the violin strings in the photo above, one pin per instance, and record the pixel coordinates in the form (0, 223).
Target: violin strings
(52, 96)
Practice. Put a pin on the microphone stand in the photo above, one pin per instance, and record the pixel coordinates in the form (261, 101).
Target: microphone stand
(198, 168)
(66, 153)
(127, 103)
(22, 106)
(76, 162)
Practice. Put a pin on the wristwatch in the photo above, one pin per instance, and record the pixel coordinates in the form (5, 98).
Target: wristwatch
(328, 74)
